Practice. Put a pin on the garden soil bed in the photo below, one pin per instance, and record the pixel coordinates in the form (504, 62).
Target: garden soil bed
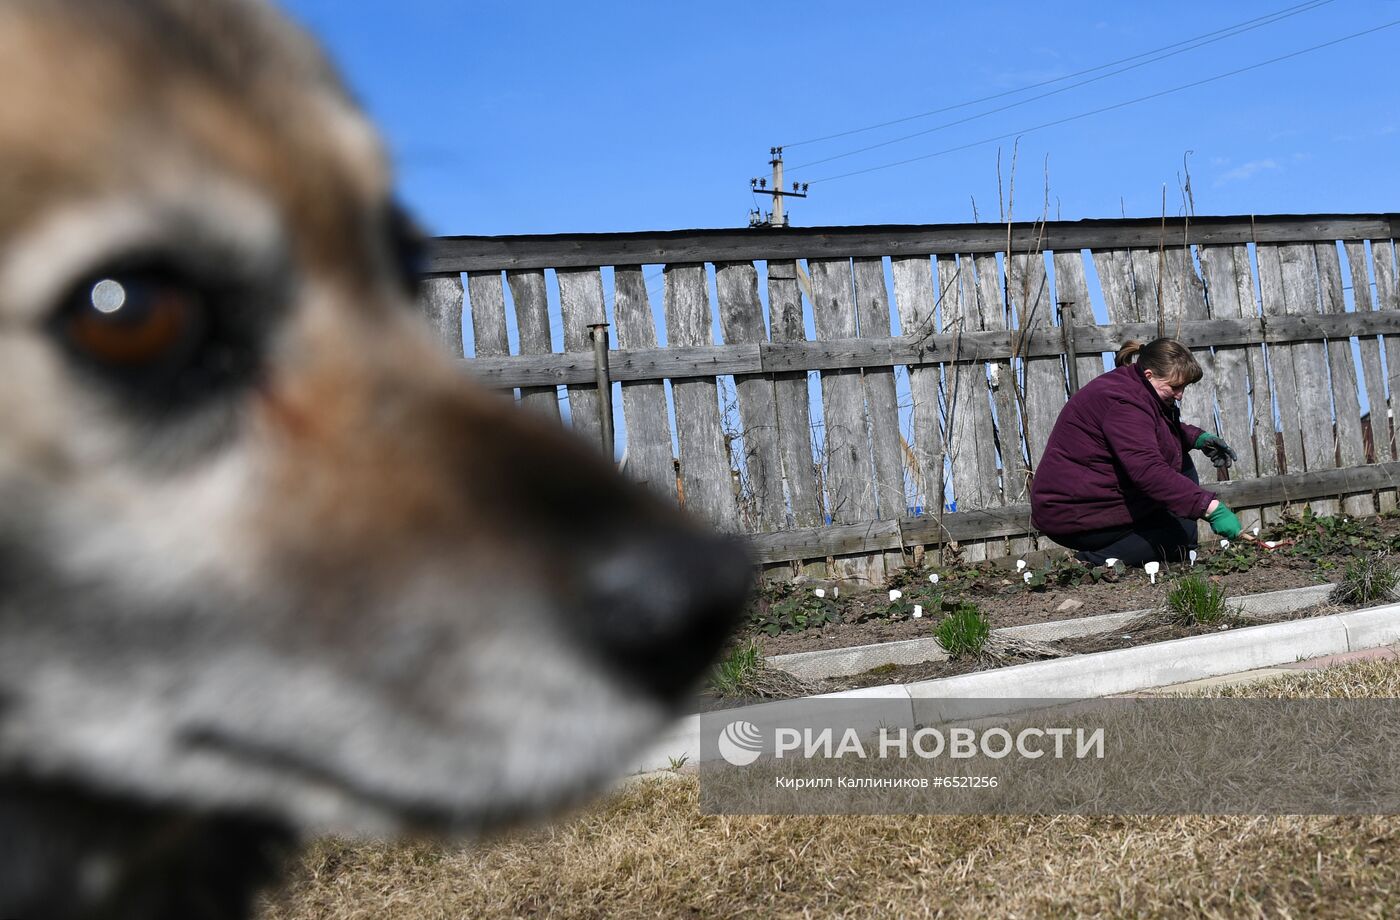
(1018, 606)
(1085, 645)
(1006, 601)
(1324, 550)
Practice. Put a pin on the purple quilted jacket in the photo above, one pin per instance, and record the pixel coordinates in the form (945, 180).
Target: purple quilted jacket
(1114, 456)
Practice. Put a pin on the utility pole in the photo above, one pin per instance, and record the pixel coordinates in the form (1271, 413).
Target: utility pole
(776, 217)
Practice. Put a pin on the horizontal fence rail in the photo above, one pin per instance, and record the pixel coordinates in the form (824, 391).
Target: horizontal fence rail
(965, 348)
(853, 397)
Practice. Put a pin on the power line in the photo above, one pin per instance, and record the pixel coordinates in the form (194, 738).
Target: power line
(1110, 108)
(1064, 89)
(1045, 83)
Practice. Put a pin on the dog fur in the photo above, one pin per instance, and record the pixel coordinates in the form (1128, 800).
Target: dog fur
(269, 565)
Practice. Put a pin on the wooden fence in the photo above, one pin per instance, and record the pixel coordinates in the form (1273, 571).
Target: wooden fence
(928, 438)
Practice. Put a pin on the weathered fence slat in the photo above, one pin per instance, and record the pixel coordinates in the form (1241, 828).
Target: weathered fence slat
(488, 306)
(881, 401)
(1010, 422)
(791, 395)
(971, 429)
(1310, 367)
(705, 471)
(1115, 270)
(1185, 300)
(1147, 288)
(1387, 298)
(1044, 377)
(1351, 448)
(527, 290)
(1280, 357)
(850, 486)
(915, 300)
(1236, 368)
(1071, 287)
(741, 322)
(581, 302)
(440, 299)
(1370, 346)
(649, 457)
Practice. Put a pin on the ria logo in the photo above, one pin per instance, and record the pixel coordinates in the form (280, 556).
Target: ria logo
(740, 743)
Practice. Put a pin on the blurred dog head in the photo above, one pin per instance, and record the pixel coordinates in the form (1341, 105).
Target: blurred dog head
(262, 550)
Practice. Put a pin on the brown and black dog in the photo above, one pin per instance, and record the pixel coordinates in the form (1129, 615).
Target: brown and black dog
(269, 566)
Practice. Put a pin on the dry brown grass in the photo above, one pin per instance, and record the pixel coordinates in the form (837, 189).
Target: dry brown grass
(648, 852)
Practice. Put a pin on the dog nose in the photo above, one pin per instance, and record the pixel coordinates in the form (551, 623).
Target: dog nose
(663, 606)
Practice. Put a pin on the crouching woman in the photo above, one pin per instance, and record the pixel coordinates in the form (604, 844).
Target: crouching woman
(1116, 480)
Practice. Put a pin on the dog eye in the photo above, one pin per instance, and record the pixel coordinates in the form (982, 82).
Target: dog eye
(161, 337)
(129, 322)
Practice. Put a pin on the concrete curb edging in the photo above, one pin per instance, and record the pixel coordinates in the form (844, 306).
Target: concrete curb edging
(856, 659)
(1100, 674)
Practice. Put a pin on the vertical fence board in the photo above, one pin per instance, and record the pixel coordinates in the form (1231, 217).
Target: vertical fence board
(440, 300)
(649, 459)
(881, 401)
(850, 483)
(1010, 426)
(1268, 438)
(1387, 298)
(971, 428)
(1183, 300)
(1044, 376)
(1285, 387)
(873, 320)
(915, 299)
(705, 473)
(527, 290)
(741, 322)
(1371, 370)
(1115, 270)
(1186, 302)
(1300, 292)
(1071, 287)
(1233, 371)
(488, 306)
(1350, 447)
(1147, 288)
(790, 392)
(581, 301)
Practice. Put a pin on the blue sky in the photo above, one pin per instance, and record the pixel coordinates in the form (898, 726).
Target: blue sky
(518, 117)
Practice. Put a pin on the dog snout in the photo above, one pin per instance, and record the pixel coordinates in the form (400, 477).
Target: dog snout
(661, 605)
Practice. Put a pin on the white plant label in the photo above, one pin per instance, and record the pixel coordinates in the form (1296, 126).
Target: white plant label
(918, 611)
(1192, 556)
(1027, 577)
(933, 578)
(1151, 569)
(1224, 544)
(1020, 565)
(820, 592)
(895, 595)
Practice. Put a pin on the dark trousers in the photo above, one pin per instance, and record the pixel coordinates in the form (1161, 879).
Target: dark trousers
(1161, 536)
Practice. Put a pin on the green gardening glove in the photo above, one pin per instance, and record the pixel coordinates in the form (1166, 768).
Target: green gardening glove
(1220, 453)
(1223, 521)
